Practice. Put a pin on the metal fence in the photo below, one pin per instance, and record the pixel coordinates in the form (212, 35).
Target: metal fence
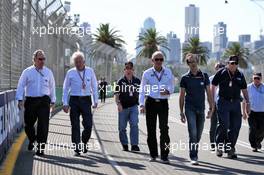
(18, 20)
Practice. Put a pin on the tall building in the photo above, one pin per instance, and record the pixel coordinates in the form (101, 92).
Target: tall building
(220, 40)
(85, 27)
(259, 43)
(174, 54)
(208, 46)
(149, 23)
(244, 39)
(192, 22)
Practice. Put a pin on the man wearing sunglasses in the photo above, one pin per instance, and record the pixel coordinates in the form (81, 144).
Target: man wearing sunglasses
(156, 85)
(230, 82)
(38, 86)
(256, 115)
(193, 86)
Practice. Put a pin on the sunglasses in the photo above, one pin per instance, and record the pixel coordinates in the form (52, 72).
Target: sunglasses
(233, 63)
(256, 78)
(190, 62)
(41, 59)
(159, 59)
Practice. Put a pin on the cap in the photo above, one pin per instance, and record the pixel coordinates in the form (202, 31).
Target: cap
(257, 74)
(233, 58)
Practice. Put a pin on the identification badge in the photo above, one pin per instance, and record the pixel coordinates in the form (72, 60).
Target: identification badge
(131, 94)
(230, 83)
(83, 86)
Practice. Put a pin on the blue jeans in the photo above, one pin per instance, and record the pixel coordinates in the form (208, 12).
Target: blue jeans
(128, 115)
(230, 119)
(195, 121)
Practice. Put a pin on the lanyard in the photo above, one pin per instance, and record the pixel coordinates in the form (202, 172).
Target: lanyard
(231, 77)
(82, 78)
(39, 72)
(161, 75)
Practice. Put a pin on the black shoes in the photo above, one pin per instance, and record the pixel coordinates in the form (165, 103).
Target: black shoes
(135, 148)
(255, 149)
(77, 153)
(30, 146)
(85, 148)
(219, 153)
(232, 154)
(125, 147)
(165, 160)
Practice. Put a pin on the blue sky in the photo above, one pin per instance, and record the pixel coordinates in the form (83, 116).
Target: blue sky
(241, 16)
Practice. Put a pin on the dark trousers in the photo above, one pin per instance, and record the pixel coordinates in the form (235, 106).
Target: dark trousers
(103, 95)
(160, 109)
(230, 119)
(195, 121)
(256, 129)
(37, 109)
(213, 125)
(81, 106)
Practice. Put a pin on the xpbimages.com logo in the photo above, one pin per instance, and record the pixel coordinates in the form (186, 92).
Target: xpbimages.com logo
(59, 30)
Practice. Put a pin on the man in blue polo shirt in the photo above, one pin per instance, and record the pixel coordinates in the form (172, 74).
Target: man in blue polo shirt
(193, 86)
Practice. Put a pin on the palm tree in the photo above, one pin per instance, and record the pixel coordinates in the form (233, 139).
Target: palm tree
(242, 53)
(109, 36)
(150, 42)
(194, 46)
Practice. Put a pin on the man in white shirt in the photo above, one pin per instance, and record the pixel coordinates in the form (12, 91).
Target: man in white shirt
(38, 86)
(256, 115)
(156, 85)
(79, 86)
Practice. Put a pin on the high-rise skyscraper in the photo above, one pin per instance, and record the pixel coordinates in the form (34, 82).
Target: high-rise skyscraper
(149, 23)
(192, 22)
(208, 46)
(244, 39)
(220, 39)
(174, 54)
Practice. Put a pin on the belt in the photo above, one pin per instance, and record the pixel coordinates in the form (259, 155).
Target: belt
(157, 100)
(80, 97)
(230, 99)
(36, 98)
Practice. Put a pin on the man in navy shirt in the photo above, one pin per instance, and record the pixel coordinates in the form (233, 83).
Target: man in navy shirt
(193, 86)
(230, 81)
(126, 96)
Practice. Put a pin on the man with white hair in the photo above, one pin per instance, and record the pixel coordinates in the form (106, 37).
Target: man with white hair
(79, 86)
(157, 84)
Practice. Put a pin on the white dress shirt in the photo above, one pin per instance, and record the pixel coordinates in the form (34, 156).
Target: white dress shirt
(36, 83)
(72, 85)
(151, 86)
(256, 97)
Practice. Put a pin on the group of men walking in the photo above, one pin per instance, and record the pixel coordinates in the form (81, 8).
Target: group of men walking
(80, 94)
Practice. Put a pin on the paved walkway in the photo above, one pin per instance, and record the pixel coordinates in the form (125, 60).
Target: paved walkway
(106, 157)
